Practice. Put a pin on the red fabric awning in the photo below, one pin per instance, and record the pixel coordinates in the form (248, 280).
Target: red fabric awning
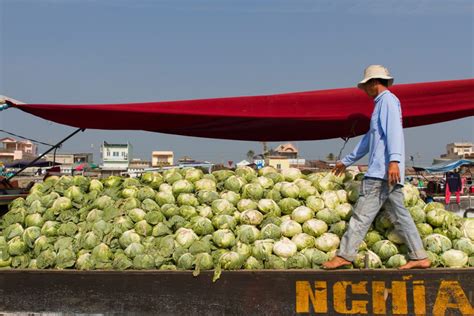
(308, 115)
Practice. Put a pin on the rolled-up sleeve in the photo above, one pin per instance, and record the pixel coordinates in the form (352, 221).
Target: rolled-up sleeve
(391, 123)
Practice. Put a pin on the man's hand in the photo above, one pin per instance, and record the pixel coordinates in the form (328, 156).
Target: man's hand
(393, 172)
(339, 168)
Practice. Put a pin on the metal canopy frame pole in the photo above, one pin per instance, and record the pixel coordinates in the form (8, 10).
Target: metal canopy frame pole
(54, 147)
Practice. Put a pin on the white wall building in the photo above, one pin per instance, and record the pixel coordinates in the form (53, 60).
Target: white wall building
(456, 151)
(459, 149)
(115, 157)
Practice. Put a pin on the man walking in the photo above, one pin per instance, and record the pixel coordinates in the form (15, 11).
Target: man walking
(383, 181)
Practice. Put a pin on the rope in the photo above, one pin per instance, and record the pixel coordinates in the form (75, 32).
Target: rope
(25, 138)
(346, 140)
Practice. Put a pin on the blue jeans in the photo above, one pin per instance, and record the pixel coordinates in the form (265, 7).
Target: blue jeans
(373, 194)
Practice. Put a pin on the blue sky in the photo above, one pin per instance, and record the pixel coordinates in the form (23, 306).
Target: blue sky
(106, 51)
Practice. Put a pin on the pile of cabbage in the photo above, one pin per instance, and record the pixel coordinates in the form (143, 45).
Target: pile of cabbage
(184, 219)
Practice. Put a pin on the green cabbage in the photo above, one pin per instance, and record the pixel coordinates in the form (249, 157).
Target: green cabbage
(454, 258)
(224, 222)
(287, 205)
(152, 179)
(187, 199)
(315, 227)
(298, 261)
(338, 228)
(271, 231)
(248, 233)
(268, 206)
(437, 243)
(467, 228)
(301, 214)
(262, 249)
(396, 261)
(315, 256)
(328, 216)
(246, 172)
(291, 174)
(373, 260)
(290, 228)
(193, 174)
(253, 191)
(223, 238)
(202, 225)
(290, 190)
(327, 242)
(285, 248)
(251, 217)
(384, 249)
(303, 241)
(275, 262)
(344, 211)
(222, 207)
(185, 237)
(464, 244)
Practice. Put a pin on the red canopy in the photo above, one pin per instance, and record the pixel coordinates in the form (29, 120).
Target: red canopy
(308, 115)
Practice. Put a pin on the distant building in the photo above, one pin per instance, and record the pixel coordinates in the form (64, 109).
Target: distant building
(137, 167)
(456, 151)
(12, 149)
(282, 157)
(115, 157)
(69, 159)
(277, 162)
(83, 157)
(162, 158)
(285, 150)
(65, 159)
(186, 160)
(242, 163)
(297, 163)
(319, 165)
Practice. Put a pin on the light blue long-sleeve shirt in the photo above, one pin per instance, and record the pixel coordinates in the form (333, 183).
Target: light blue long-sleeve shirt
(384, 141)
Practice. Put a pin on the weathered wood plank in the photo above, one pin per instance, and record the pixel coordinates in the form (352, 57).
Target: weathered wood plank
(268, 292)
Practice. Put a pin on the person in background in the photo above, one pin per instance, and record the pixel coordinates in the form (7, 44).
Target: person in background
(453, 185)
(383, 182)
(423, 195)
(464, 181)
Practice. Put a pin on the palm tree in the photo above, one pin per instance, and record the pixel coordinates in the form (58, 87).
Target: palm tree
(250, 155)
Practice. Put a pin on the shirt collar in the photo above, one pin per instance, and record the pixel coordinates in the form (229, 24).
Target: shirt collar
(377, 98)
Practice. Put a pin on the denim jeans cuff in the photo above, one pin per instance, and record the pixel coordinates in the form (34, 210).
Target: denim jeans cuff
(345, 256)
(418, 254)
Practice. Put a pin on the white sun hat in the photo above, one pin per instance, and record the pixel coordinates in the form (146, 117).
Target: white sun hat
(375, 72)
